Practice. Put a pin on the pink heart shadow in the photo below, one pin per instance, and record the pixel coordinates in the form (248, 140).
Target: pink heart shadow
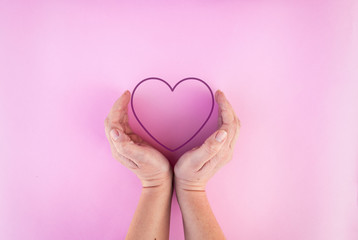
(172, 118)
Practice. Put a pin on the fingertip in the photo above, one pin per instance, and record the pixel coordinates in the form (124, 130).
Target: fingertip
(126, 95)
(220, 97)
(217, 93)
(122, 101)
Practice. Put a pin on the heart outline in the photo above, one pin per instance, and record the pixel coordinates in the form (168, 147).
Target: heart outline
(172, 89)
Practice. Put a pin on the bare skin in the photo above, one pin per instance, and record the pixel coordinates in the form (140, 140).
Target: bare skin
(152, 216)
(191, 174)
(194, 169)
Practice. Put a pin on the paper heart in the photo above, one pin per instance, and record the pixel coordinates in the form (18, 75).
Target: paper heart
(172, 116)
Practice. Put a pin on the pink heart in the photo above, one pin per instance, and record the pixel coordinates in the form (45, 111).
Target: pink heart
(172, 116)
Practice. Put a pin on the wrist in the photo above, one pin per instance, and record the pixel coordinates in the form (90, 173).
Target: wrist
(164, 191)
(159, 185)
(162, 180)
(187, 197)
(188, 192)
(187, 185)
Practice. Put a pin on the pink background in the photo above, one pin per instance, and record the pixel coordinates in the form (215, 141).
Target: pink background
(289, 69)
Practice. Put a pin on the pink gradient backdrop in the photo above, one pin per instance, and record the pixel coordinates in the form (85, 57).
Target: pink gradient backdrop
(288, 67)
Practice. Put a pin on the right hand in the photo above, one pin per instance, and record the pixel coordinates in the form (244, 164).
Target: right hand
(150, 166)
(195, 167)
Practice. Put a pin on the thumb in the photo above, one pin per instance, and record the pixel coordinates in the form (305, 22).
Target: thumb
(124, 145)
(210, 147)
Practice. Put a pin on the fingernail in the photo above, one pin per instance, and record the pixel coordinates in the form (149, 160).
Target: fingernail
(114, 134)
(220, 136)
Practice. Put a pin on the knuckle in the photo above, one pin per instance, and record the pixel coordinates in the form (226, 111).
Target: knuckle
(210, 148)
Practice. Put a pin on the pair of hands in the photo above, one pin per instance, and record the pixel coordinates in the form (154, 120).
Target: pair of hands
(193, 169)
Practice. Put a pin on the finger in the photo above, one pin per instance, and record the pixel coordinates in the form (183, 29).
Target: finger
(220, 119)
(225, 109)
(236, 135)
(119, 111)
(118, 117)
(108, 126)
(127, 148)
(122, 102)
(208, 149)
(134, 137)
(122, 159)
(227, 117)
(127, 162)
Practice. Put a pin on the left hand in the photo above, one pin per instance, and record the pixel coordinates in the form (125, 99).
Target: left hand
(150, 166)
(195, 167)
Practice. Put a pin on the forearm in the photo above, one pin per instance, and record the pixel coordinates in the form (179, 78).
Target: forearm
(198, 218)
(152, 216)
